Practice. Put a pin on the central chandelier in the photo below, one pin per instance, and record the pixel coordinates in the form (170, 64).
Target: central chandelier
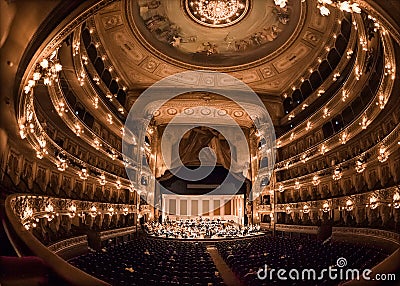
(217, 13)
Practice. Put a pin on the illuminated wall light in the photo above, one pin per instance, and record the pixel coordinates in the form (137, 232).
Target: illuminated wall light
(96, 79)
(60, 108)
(381, 101)
(291, 116)
(39, 154)
(360, 165)
(364, 122)
(36, 76)
(288, 209)
(85, 60)
(49, 208)
(326, 113)
(31, 128)
(349, 205)
(287, 165)
(292, 136)
(78, 130)
(305, 105)
(121, 110)
(97, 144)
(44, 63)
(304, 158)
(315, 180)
(125, 211)
(75, 48)
(320, 92)
(109, 118)
(349, 53)
(306, 209)
(93, 211)
(62, 166)
(323, 149)
(297, 185)
(96, 103)
(118, 184)
(336, 76)
(343, 137)
(27, 89)
(383, 154)
(396, 200)
(358, 72)
(309, 126)
(72, 210)
(281, 188)
(337, 174)
(373, 202)
(102, 180)
(109, 95)
(83, 174)
(22, 133)
(390, 70)
(325, 207)
(81, 78)
(345, 95)
(278, 143)
(113, 156)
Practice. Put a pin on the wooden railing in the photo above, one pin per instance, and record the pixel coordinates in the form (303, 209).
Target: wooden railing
(117, 232)
(74, 242)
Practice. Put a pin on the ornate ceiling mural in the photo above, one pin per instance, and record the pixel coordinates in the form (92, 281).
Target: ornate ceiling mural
(268, 48)
(215, 33)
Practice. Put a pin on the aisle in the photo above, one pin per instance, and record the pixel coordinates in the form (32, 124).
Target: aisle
(226, 273)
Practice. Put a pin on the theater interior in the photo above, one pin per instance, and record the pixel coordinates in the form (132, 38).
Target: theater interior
(200, 142)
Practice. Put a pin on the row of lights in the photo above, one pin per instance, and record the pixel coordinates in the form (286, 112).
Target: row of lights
(389, 70)
(345, 6)
(47, 69)
(383, 155)
(349, 206)
(30, 221)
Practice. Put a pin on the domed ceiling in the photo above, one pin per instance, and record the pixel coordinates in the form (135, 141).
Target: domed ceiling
(263, 45)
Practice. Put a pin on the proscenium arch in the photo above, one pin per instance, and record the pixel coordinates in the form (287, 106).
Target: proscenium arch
(233, 89)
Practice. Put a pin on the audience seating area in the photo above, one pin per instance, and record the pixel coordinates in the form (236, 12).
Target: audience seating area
(147, 261)
(247, 256)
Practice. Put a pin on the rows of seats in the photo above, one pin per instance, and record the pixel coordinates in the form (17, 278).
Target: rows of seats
(147, 261)
(247, 256)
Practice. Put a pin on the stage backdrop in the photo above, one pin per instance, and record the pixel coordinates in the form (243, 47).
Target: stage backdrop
(226, 207)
